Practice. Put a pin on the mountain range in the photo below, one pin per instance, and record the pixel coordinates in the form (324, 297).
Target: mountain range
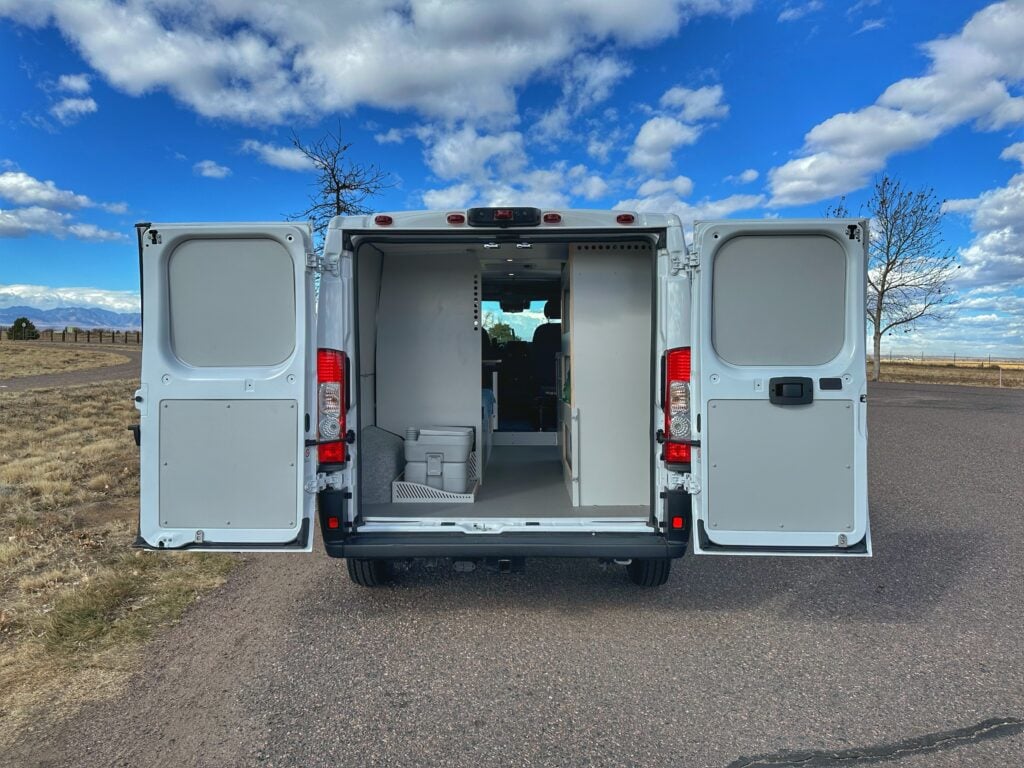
(76, 317)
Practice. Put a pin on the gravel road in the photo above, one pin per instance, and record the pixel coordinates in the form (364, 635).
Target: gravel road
(129, 370)
(914, 656)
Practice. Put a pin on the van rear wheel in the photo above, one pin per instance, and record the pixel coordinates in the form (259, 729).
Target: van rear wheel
(367, 573)
(649, 573)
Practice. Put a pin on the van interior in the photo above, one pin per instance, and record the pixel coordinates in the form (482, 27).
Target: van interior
(558, 415)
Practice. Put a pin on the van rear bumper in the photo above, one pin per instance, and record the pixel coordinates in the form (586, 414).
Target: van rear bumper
(396, 546)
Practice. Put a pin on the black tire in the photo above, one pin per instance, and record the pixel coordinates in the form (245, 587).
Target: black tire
(649, 573)
(367, 573)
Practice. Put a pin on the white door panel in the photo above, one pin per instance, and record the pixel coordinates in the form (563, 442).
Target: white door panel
(779, 369)
(227, 350)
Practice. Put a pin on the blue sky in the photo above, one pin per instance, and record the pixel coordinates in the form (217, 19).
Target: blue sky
(117, 112)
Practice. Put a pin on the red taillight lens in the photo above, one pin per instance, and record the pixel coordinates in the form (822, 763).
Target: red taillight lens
(625, 218)
(456, 218)
(552, 218)
(331, 406)
(677, 522)
(383, 220)
(503, 214)
(333, 523)
(677, 406)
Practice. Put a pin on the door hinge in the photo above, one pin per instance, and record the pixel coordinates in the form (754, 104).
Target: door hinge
(685, 260)
(319, 263)
(690, 484)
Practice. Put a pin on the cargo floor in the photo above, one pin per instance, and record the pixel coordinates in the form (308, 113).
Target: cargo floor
(519, 481)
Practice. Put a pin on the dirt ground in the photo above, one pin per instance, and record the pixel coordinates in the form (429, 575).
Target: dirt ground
(76, 601)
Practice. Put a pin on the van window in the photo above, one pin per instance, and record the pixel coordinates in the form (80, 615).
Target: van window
(778, 300)
(231, 302)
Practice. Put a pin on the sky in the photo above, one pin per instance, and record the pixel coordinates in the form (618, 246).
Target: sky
(113, 112)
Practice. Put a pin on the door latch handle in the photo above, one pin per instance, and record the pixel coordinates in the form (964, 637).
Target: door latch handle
(791, 390)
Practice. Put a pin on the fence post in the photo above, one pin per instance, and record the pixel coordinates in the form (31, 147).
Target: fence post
(88, 337)
(64, 335)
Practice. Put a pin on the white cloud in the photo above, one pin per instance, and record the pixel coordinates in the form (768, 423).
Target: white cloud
(552, 125)
(391, 136)
(455, 196)
(690, 212)
(1014, 152)
(36, 220)
(794, 12)
(657, 139)
(996, 254)
(493, 169)
(660, 136)
(22, 189)
(967, 81)
(466, 153)
(870, 25)
(680, 186)
(46, 297)
(74, 83)
(746, 177)
(288, 158)
(70, 111)
(211, 170)
(21, 222)
(94, 233)
(589, 186)
(695, 104)
(271, 61)
(860, 6)
(591, 79)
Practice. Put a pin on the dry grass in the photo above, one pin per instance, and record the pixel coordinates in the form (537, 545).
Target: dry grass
(76, 599)
(972, 374)
(26, 358)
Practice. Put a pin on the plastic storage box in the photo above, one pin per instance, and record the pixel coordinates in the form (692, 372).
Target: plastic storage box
(437, 457)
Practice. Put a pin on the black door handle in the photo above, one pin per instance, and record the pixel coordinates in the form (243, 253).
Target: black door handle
(790, 390)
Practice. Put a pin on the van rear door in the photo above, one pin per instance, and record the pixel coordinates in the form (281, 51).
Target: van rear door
(225, 396)
(779, 366)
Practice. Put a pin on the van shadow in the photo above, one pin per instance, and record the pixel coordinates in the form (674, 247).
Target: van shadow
(910, 574)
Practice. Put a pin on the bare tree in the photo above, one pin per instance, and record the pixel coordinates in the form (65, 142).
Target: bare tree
(342, 186)
(909, 269)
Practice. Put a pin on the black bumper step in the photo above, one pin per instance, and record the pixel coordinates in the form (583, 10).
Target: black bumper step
(395, 546)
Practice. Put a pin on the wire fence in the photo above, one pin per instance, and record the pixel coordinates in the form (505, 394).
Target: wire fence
(73, 336)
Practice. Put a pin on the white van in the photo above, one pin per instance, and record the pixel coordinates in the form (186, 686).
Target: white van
(712, 396)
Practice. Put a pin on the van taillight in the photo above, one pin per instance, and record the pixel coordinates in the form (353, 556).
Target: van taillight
(331, 406)
(677, 406)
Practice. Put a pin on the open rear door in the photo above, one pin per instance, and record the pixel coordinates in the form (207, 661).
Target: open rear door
(224, 400)
(780, 368)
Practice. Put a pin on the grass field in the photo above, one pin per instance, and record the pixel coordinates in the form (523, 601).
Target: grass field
(75, 599)
(972, 374)
(25, 358)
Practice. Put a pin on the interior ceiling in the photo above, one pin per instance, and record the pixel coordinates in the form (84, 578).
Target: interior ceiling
(539, 261)
(508, 270)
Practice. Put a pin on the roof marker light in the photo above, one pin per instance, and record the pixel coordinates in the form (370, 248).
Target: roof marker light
(552, 218)
(456, 218)
(625, 218)
(503, 214)
(383, 220)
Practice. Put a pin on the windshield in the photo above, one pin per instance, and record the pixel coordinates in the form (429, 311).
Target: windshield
(508, 326)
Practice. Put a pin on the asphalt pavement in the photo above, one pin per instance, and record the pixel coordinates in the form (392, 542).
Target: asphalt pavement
(913, 658)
